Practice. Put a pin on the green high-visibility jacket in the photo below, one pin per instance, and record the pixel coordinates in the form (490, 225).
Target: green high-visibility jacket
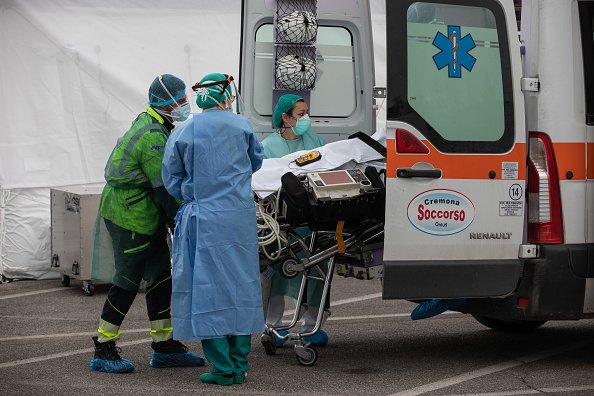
(133, 172)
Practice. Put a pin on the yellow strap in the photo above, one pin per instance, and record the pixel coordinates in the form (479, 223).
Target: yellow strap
(339, 239)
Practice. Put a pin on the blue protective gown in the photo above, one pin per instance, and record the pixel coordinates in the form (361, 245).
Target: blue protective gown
(208, 163)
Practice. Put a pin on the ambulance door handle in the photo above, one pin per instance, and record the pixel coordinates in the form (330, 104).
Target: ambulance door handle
(409, 172)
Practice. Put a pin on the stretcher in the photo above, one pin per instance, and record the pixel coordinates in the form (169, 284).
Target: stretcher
(344, 209)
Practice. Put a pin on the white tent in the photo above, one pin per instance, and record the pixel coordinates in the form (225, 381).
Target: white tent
(75, 73)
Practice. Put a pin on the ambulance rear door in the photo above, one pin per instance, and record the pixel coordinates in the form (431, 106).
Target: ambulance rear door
(340, 103)
(456, 162)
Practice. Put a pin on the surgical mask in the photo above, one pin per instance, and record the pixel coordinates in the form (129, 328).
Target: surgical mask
(181, 113)
(302, 126)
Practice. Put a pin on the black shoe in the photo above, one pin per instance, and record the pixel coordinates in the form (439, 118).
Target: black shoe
(106, 350)
(169, 346)
(172, 353)
(107, 358)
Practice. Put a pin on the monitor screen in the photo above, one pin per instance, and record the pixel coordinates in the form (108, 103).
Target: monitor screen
(330, 178)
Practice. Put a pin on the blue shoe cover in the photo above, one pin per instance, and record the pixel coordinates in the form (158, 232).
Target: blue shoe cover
(188, 359)
(279, 342)
(111, 366)
(430, 308)
(319, 338)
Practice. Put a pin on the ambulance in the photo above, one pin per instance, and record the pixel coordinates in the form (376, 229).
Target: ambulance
(490, 143)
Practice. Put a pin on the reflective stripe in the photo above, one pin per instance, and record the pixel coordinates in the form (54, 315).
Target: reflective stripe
(137, 248)
(456, 165)
(107, 331)
(124, 159)
(165, 310)
(117, 310)
(137, 200)
(155, 115)
(131, 281)
(161, 330)
(116, 170)
(157, 284)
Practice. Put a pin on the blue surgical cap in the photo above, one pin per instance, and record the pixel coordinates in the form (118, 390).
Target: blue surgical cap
(158, 95)
(215, 91)
(284, 104)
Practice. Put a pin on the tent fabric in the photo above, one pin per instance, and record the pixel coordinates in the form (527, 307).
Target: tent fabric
(25, 234)
(79, 72)
(75, 73)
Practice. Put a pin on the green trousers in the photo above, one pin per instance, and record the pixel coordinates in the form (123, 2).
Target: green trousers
(228, 355)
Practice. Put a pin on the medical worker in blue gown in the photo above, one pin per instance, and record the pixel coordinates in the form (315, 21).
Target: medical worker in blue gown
(291, 118)
(217, 298)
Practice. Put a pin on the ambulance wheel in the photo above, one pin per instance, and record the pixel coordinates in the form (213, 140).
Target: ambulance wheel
(308, 357)
(268, 345)
(509, 326)
(88, 288)
(65, 280)
(288, 269)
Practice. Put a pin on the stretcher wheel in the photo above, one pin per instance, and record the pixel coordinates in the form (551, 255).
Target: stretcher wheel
(65, 280)
(288, 269)
(269, 348)
(308, 356)
(88, 288)
(268, 344)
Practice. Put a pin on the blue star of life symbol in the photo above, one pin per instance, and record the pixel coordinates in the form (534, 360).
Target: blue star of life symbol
(454, 51)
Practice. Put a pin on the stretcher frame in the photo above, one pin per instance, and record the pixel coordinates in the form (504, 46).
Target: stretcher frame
(323, 245)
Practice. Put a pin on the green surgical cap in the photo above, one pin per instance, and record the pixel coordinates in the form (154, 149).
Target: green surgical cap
(283, 105)
(158, 95)
(214, 91)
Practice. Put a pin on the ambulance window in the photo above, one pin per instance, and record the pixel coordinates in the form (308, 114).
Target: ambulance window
(334, 94)
(587, 27)
(456, 77)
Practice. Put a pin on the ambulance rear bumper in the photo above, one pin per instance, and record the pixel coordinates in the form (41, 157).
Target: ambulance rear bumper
(552, 287)
(450, 278)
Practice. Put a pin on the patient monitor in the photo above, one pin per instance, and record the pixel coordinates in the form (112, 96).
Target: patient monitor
(338, 184)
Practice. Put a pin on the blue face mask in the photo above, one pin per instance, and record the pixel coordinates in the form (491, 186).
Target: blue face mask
(303, 125)
(181, 113)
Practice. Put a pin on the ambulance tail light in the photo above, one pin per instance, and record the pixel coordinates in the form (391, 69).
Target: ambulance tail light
(407, 143)
(545, 220)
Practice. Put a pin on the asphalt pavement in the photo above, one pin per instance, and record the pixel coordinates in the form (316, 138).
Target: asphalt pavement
(375, 349)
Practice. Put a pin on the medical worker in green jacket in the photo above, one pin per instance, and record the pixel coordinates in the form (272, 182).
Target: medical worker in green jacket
(293, 134)
(136, 209)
